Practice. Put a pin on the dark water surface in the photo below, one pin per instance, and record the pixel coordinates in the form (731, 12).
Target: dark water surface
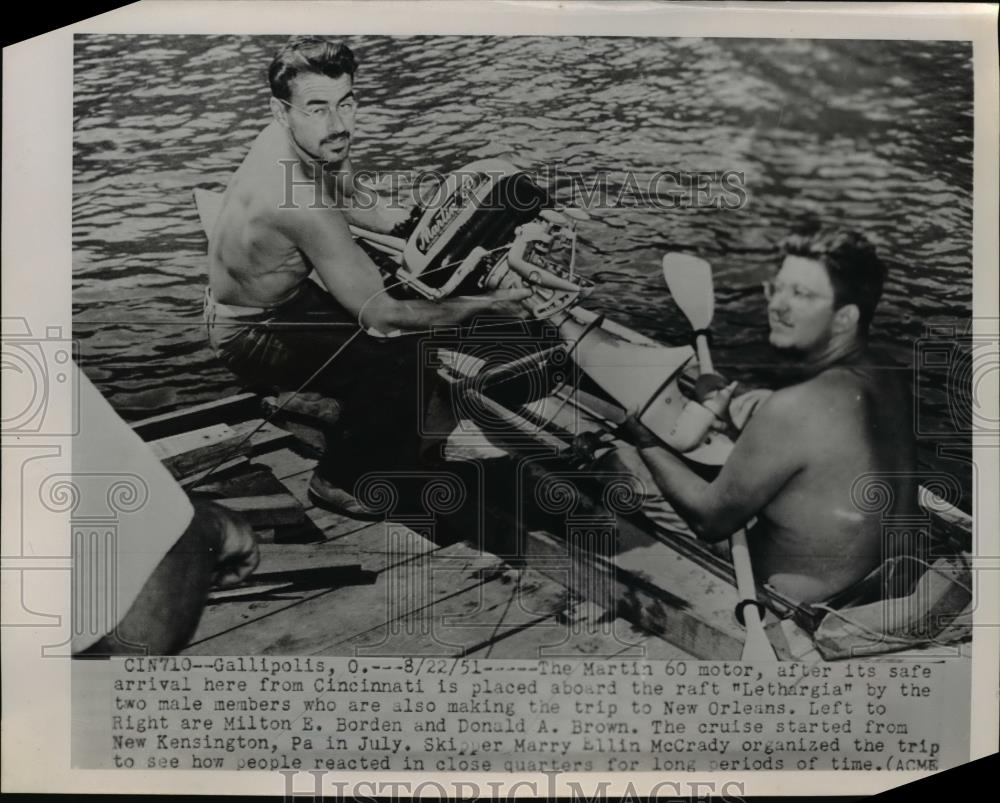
(876, 135)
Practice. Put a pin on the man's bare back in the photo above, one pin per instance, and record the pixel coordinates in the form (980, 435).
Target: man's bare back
(821, 531)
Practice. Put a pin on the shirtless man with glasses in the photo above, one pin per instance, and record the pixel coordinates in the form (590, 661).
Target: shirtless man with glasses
(286, 213)
(800, 454)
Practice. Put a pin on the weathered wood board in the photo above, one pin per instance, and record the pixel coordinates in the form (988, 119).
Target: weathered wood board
(647, 598)
(325, 622)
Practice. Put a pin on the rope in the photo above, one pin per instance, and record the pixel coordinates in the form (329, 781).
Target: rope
(875, 634)
(280, 407)
(360, 330)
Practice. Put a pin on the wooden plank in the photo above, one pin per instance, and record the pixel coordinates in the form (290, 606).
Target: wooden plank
(263, 436)
(463, 615)
(296, 557)
(209, 449)
(335, 525)
(285, 462)
(264, 584)
(217, 411)
(266, 510)
(320, 622)
(252, 481)
(375, 547)
(190, 452)
(228, 468)
(605, 636)
(651, 586)
(655, 648)
(259, 496)
(584, 630)
(308, 437)
(298, 486)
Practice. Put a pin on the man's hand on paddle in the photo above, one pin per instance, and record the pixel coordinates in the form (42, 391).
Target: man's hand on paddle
(737, 410)
(718, 402)
(745, 405)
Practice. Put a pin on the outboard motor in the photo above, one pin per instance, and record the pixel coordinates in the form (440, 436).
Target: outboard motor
(491, 226)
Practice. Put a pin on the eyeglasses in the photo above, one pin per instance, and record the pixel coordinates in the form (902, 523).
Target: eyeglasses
(795, 291)
(322, 111)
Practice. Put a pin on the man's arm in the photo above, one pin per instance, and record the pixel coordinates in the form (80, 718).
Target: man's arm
(379, 218)
(352, 278)
(368, 210)
(764, 459)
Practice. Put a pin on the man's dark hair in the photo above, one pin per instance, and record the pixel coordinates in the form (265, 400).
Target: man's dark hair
(856, 273)
(308, 54)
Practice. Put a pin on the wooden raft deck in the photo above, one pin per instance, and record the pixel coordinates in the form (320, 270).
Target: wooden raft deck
(398, 591)
(411, 587)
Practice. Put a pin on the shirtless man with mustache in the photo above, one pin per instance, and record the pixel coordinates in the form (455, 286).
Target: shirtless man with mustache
(286, 213)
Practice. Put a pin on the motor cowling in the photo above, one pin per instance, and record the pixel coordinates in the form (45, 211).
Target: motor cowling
(488, 226)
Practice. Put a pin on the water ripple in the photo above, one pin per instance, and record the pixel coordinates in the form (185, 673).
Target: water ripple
(874, 135)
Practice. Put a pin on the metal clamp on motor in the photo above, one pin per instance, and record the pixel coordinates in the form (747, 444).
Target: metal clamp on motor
(533, 259)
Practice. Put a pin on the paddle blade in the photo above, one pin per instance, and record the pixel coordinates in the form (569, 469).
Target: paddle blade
(690, 281)
(756, 648)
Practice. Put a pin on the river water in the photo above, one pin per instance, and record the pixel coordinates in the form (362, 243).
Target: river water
(875, 135)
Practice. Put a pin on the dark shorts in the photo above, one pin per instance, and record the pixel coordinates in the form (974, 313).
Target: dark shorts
(385, 386)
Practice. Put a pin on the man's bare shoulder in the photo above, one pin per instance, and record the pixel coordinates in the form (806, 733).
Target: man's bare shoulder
(307, 215)
(832, 395)
(797, 407)
(787, 401)
(269, 175)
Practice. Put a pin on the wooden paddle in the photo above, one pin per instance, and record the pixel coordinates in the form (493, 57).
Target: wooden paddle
(690, 281)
